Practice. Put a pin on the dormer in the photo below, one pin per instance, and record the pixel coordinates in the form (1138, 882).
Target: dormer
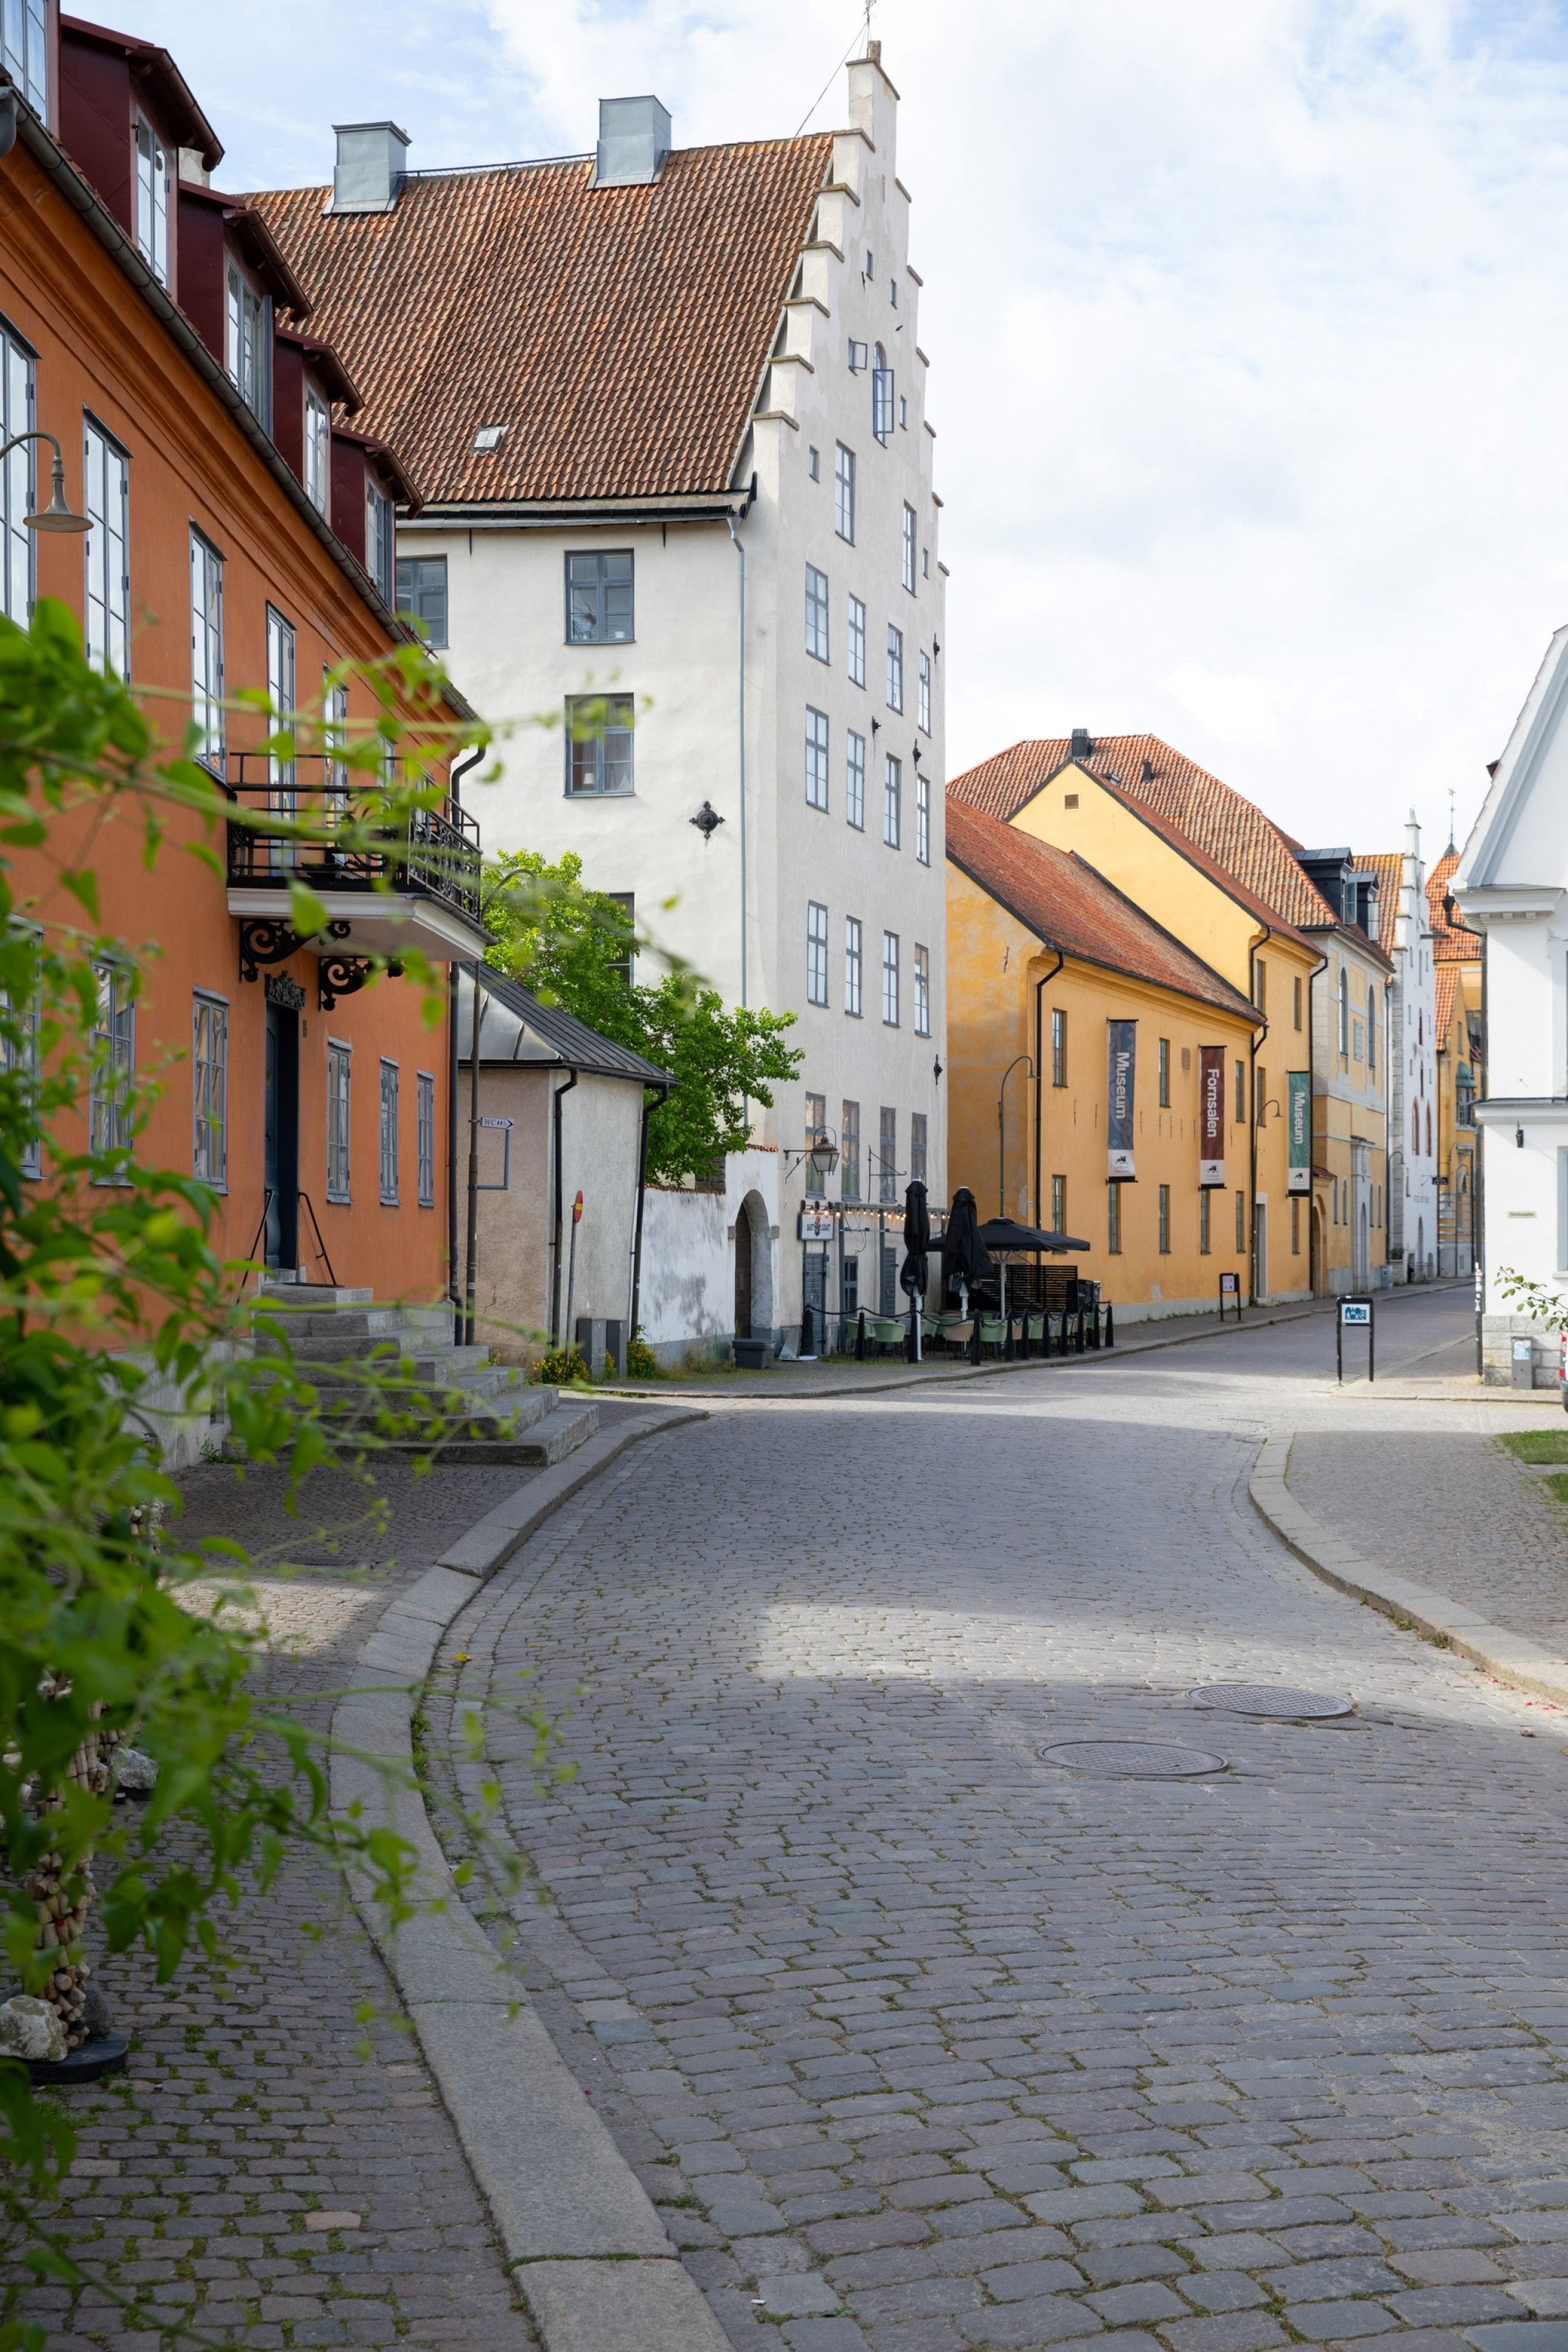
(369, 484)
(126, 115)
(234, 281)
(309, 381)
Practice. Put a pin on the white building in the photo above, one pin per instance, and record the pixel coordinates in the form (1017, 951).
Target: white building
(668, 410)
(1512, 886)
(1405, 934)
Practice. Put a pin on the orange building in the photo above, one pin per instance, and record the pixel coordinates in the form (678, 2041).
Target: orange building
(241, 536)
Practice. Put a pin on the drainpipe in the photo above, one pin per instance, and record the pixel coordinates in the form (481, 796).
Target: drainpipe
(470, 1285)
(1259, 1025)
(561, 1094)
(1040, 987)
(637, 1231)
(454, 778)
(1313, 976)
(734, 522)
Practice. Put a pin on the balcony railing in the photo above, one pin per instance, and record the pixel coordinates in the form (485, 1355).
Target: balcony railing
(338, 838)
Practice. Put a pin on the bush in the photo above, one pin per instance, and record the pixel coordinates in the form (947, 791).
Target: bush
(561, 1367)
(642, 1364)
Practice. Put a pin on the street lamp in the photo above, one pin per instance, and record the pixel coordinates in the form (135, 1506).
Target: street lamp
(1002, 1129)
(57, 515)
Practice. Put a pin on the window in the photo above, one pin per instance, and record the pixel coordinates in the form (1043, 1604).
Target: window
(599, 599)
(1241, 1094)
(1259, 985)
(894, 668)
(1297, 992)
(888, 1156)
(151, 200)
(857, 641)
(1204, 1200)
(114, 1060)
(1058, 1047)
(923, 693)
(892, 800)
(245, 343)
(380, 541)
(319, 460)
(18, 472)
(1164, 1073)
(105, 498)
(849, 1153)
(281, 695)
(853, 958)
(624, 967)
(1165, 1218)
(1371, 1032)
(599, 743)
(922, 992)
(855, 780)
(19, 1053)
(816, 759)
(389, 1133)
(814, 464)
(1358, 1040)
(843, 493)
(909, 548)
(815, 953)
(209, 1090)
(922, 818)
(1114, 1220)
(207, 648)
(1260, 1094)
(817, 640)
(25, 49)
(881, 396)
(918, 1147)
(1240, 1223)
(891, 979)
(816, 1126)
(339, 1060)
(425, 1136)
(1058, 1204)
(1344, 1013)
(422, 595)
(1295, 1217)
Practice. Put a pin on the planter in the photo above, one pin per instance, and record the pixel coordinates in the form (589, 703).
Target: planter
(753, 1355)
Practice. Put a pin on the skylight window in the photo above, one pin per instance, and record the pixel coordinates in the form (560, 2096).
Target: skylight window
(489, 437)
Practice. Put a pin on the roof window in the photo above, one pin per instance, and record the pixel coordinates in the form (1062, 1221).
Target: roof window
(487, 440)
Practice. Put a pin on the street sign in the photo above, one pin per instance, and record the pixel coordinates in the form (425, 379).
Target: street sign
(1355, 1314)
(495, 1122)
(1230, 1288)
(1354, 1310)
(815, 1222)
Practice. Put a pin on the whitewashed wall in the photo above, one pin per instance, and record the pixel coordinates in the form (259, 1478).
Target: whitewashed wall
(688, 1308)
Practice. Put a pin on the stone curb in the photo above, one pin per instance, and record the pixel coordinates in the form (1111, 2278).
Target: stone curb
(578, 2230)
(1512, 1657)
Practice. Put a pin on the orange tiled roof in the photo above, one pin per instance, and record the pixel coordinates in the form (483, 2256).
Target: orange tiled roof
(1230, 830)
(1448, 976)
(1452, 943)
(1389, 868)
(1068, 906)
(619, 334)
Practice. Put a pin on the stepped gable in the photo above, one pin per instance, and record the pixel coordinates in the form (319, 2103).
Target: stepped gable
(1453, 941)
(618, 333)
(1068, 906)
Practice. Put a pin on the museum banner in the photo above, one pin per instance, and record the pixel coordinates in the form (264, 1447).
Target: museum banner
(1119, 1124)
(1211, 1115)
(1299, 1132)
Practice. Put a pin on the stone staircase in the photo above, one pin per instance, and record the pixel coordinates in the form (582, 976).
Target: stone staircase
(486, 1413)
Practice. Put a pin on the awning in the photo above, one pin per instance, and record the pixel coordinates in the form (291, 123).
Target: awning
(1002, 1238)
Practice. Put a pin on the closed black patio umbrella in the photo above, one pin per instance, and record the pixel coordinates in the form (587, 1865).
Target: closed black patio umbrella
(965, 1263)
(914, 1274)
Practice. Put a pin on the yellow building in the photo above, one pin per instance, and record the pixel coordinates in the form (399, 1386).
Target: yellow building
(1457, 956)
(1046, 961)
(1074, 796)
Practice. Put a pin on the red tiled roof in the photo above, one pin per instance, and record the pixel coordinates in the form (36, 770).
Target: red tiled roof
(1448, 976)
(619, 334)
(1068, 906)
(1229, 829)
(1452, 943)
(1389, 868)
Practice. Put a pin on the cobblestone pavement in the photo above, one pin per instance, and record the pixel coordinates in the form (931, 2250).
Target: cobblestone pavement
(924, 2041)
(250, 2173)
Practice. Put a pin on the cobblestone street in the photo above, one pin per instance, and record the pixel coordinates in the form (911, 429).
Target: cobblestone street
(923, 2041)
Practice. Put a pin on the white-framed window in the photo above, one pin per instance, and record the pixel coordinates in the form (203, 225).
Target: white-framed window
(209, 1090)
(318, 451)
(389, 1133)
(24, 50)
(816, 758)
(106, 501)
(425, 1136)
(380, 539)
(207, 648)
(18, 472)
(922, 992)
(281, 694)
(881, 396)
(422, 595)
(113, 1064)
(843, 493)
(920, 1147)
(922, 676)
(857, 641)
(19, 1052)
(339, 1100)
(815, 953)
(599, 743)
(909, 548)
(1344, 1013)
(151, 200)
(600, 598)
(894, 667)
(893, 801)
(817, 631)
(853, 958)
(244, 349)
(888, 1155)
(891, 979)
(855, 780)
(923, 817)
(849, 1153)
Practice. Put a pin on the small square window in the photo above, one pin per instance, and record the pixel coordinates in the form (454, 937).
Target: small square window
(487, 440)
(814, 464)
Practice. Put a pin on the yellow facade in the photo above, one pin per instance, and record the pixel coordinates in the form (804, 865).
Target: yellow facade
(1458, 1158)
(1349, 1119)
(1043, 1161)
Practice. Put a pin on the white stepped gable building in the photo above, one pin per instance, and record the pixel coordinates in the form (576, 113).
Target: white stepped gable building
(1404, 919)
(1512, 886)
(668, 411)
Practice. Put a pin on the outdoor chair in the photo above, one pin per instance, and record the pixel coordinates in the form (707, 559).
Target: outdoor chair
(993, 1331)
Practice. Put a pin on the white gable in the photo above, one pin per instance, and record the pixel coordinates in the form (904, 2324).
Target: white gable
(1519, 841)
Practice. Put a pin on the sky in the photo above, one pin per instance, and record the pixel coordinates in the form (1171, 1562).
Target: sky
(1247, 322)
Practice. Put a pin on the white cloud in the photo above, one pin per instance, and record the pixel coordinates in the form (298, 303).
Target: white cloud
(1235, 709)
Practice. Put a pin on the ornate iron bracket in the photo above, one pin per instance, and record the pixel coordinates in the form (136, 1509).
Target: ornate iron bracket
(340, 975)
(262, 940)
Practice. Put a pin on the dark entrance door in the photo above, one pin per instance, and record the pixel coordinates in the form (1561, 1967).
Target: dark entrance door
(814, 1303)
(281, 1129)
(743, 1273)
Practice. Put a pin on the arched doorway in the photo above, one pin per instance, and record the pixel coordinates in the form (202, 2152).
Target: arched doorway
(743, 1275)
(753, 1270)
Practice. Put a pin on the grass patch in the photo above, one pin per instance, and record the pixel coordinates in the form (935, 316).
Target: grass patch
(1537, 1446)
(1557, 1485)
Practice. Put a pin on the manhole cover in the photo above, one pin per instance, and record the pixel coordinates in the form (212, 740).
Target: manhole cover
(1133, 1759)
(1272, 1698)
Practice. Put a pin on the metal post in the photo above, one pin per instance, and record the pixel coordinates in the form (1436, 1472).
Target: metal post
(471, 1285)
(1338, 1348)
(860, 1337)
(1371, 1339)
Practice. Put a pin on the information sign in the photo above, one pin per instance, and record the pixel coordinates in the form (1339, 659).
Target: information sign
(1355, 1314)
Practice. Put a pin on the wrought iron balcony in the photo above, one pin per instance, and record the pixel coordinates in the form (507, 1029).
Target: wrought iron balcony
(338, 838)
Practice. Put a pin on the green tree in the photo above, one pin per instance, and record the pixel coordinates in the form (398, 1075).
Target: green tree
(573, 947)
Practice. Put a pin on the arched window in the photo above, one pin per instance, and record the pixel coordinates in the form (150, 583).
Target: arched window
(1428, 1130)
(881, 396)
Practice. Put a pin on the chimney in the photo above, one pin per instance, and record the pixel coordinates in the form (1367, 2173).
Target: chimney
(634, 139)
(370, 168)
(1082, 744)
